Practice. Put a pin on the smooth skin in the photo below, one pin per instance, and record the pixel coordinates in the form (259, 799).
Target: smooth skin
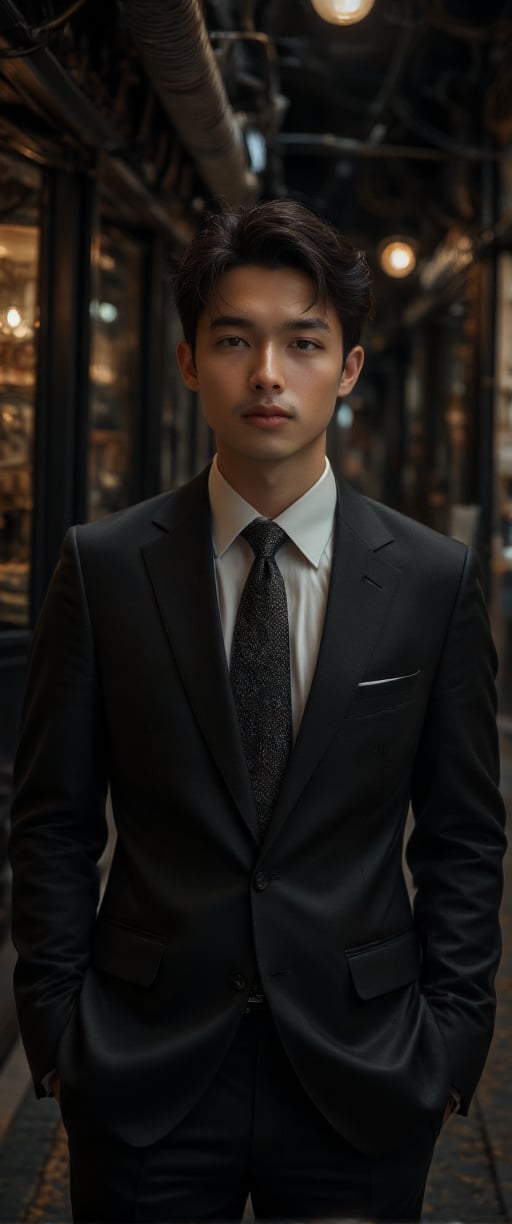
(268, 366)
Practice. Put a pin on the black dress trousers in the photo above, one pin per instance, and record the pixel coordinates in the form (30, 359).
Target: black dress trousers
(254, 1131)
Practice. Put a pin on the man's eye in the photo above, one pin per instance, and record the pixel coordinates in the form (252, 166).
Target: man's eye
(304, 345)
(232, 342)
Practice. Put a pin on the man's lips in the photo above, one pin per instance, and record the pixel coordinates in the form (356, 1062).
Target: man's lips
(266, 416)
(266, 410)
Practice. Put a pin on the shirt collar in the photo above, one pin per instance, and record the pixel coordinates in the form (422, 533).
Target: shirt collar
(308, 521)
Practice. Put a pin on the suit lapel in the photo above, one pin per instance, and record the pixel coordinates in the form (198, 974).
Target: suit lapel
(180, 566)
(179, 562)
(361, 589)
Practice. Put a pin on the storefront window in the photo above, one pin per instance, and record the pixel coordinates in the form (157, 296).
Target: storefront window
(439, 418)
(19, 322)
(117, 266)
(186, 443)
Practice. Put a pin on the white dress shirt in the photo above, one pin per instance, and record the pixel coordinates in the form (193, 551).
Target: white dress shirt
(305, 564)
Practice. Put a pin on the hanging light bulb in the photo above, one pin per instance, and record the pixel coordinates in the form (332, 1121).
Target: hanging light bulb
(342, 12)
(397, 257)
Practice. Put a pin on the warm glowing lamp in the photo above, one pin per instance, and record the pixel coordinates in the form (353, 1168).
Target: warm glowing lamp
(342, 12)
(13, 317)
(397, 257)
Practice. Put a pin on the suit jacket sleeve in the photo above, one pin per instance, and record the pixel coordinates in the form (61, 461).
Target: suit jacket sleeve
(58, 815)
(455, 851)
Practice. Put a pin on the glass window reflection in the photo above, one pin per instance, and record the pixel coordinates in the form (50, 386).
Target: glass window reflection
(114, 371)
(19, 322)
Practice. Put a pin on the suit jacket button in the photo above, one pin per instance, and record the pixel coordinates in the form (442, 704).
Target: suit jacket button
(260, 880)
(239, 982)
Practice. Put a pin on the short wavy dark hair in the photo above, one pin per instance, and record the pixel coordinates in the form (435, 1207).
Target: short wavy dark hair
(275, 234)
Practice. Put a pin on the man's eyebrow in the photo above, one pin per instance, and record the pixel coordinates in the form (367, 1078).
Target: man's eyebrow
(230, 321)
(313, 323)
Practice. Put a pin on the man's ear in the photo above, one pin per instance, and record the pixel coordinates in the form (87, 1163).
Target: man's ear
(351, 370)
(187, 366)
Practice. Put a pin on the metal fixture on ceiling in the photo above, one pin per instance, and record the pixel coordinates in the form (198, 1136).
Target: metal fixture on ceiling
(173, 42)
(385, 126)
(409, 108)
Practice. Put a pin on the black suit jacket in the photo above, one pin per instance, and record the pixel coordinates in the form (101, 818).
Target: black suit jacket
(380, 1007)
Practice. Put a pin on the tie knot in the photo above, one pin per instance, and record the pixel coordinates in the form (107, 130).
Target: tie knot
(265, 537)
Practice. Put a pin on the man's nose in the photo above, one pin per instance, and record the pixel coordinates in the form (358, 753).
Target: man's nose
(267, 372)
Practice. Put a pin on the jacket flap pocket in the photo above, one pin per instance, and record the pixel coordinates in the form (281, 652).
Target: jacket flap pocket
(379, 967)
(127, 953)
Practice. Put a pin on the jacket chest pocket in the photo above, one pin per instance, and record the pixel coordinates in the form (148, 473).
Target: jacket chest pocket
(379, 696)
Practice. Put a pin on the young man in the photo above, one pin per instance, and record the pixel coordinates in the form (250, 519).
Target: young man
(267, 668)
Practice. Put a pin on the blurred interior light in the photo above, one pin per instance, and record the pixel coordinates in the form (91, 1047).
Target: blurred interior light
(342, 12)
(257, 150)
(397, 257)
(345, 415)
(13, 317)
(107, 312)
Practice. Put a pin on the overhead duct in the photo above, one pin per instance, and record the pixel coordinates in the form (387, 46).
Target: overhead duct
(172, 40)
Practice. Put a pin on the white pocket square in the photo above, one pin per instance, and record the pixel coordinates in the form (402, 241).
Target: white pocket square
(388, 680)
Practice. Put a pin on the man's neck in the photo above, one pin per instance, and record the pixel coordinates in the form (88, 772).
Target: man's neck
(271, 489)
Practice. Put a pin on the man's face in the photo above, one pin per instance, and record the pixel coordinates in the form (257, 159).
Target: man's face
(268, 367)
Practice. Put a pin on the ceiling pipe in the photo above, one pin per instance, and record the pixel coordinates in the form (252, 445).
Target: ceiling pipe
(347, 146)
(172, 39)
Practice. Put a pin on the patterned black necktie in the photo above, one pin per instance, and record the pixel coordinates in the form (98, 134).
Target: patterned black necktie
(260, 668)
